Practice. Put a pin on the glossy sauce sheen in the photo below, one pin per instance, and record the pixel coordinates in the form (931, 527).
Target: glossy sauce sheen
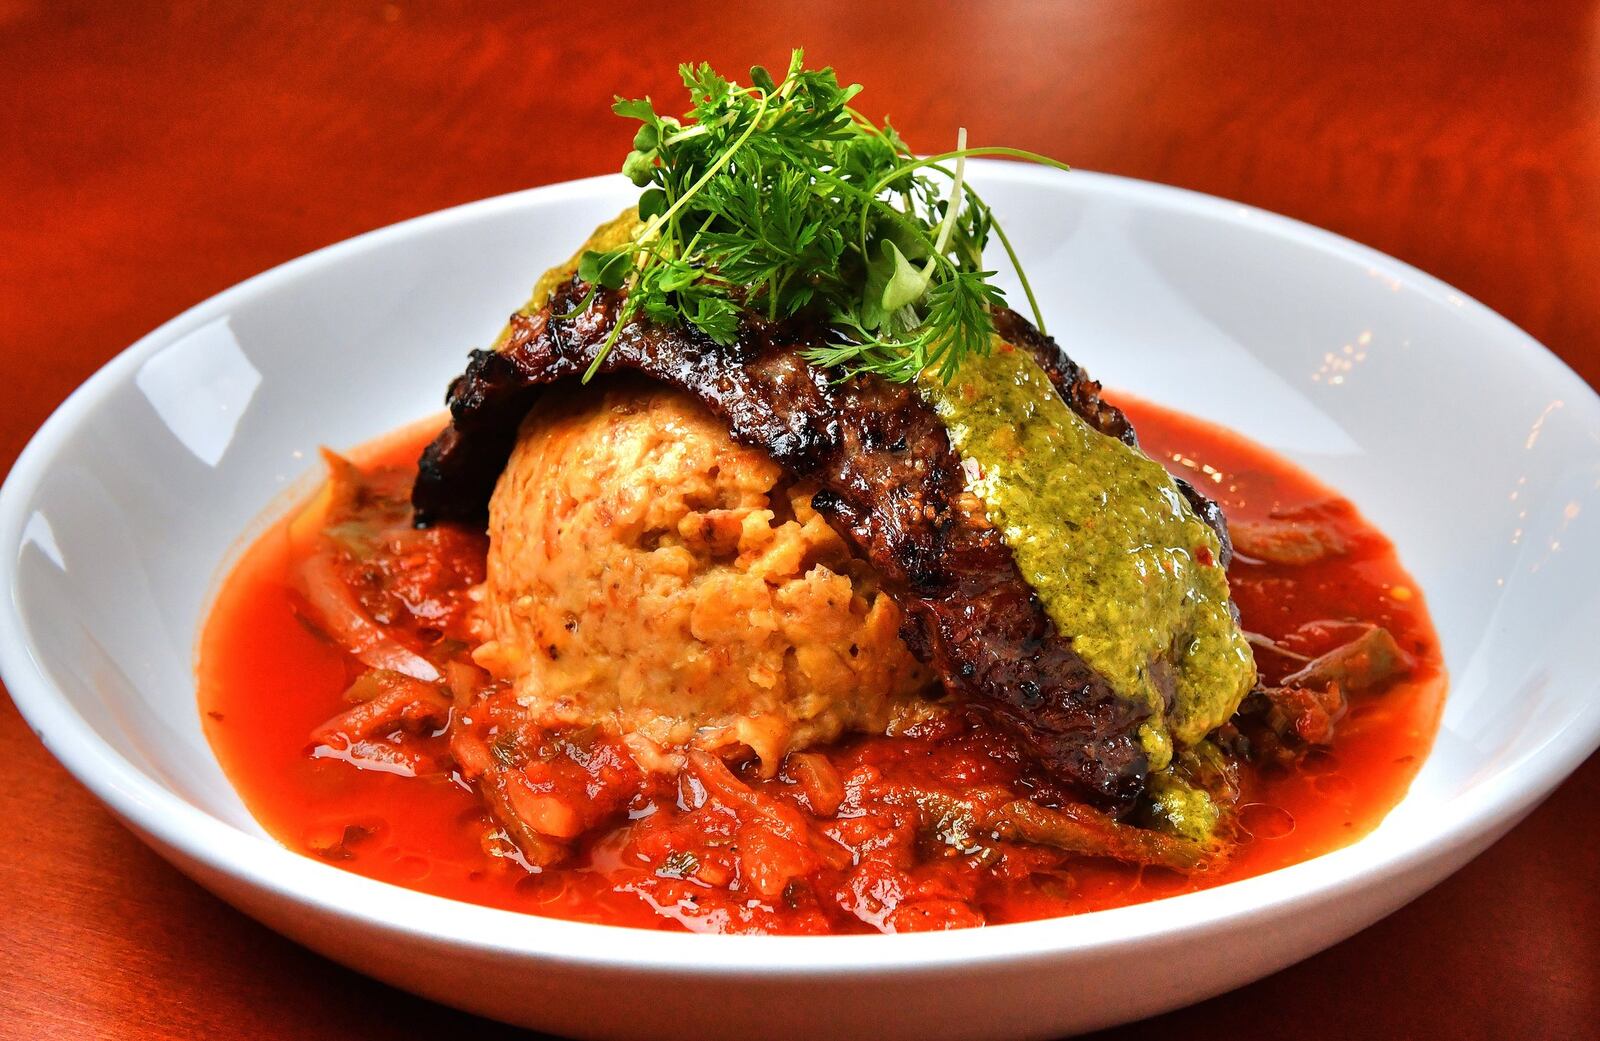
(267, 680)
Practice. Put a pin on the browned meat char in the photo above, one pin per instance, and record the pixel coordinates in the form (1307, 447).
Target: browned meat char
(889, 479)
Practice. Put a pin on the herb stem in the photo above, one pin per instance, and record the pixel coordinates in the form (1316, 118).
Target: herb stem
(982, 150)
(954, 206)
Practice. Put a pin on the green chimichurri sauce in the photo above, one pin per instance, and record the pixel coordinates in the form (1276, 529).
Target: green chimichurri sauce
(1123, 565)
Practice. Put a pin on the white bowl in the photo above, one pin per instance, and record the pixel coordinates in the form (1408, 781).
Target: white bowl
(1471, 445)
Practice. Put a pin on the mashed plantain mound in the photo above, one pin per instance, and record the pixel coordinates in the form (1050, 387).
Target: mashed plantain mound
(648, 575)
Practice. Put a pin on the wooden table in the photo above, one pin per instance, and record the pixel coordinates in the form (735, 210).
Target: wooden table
(151, 155)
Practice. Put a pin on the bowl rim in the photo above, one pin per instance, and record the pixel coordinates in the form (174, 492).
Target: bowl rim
(166, 819)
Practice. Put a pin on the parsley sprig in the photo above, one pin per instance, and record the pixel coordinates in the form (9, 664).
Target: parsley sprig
(780, 198)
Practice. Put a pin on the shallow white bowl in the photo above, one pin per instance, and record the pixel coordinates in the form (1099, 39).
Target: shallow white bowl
(1471, 445)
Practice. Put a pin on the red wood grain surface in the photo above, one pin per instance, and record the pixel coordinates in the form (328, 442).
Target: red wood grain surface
(153, 154)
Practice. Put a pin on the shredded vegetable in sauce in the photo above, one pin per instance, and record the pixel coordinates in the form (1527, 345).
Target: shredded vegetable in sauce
(339, 690)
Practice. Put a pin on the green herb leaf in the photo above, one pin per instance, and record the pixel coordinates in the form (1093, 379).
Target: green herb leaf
(608, 269)
(653, 203)
(905, 284)
(638, 109)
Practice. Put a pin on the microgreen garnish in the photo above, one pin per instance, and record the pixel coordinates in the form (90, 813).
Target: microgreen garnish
(780, 198)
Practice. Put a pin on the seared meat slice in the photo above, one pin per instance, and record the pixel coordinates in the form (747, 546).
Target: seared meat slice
(889, 479)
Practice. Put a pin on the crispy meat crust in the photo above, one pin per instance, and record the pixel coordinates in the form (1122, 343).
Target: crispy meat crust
(888, 478)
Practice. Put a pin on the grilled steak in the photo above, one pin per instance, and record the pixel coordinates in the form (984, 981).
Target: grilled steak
(890, 481)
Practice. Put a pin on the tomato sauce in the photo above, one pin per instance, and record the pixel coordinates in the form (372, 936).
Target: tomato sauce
(402, 811)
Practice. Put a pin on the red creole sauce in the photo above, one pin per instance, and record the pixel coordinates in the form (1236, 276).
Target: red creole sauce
(268, 679)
